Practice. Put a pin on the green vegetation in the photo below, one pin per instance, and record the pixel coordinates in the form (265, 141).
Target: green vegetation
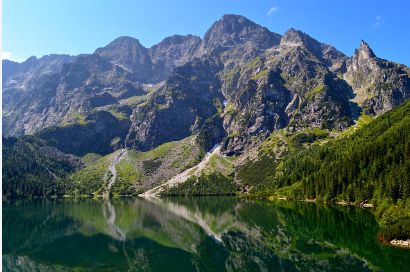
(317, 90)
(90, 158)
(76, 117)
(216, 178)
(151, 166)
(205, 184)
(363, 120)
(218, 105)
(269, 161)
(95, 136)
(230, 109)
(31, 168)
(260, 74)
(229, 75)
(159, 151)
(128, 176)
(254, 64)
(117, 114)
(394, 219)
(372, 164)
(135, 100)
(308, 136)
(89, 180)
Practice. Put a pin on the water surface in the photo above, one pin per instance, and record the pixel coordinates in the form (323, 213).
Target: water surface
(192, 234)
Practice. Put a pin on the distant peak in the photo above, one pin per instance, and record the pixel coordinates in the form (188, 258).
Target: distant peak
(233, 20)
(120, 44)
(294, 33)
(32, 58)
(364, 50)
(230, 17)
(292, 30)
(295, 37)
(126, 39)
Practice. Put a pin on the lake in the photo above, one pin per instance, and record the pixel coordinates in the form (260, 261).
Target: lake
(192, 234)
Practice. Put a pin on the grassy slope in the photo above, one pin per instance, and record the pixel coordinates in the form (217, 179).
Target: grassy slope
(137, 171)
(217, 178)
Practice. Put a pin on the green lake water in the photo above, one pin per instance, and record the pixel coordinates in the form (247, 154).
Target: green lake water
(192, 234)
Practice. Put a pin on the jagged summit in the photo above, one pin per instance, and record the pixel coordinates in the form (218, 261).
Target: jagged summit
(121, 40)
(295, 37)
(364, 51)
(234, 31)
(128, 53)
(266, 79)
(363, 58)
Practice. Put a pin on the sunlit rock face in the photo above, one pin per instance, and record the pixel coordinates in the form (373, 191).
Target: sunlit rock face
(237, 84)
(378, 84)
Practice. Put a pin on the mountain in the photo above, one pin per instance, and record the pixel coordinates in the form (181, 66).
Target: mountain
(241, 110)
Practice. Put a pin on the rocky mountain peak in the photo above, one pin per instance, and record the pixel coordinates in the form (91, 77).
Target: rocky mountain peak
(234, 20)
(122, 41)
(128, 53)
(363, 58)
(364, 51)
(295, 37)
(232, 31)
(295, 40)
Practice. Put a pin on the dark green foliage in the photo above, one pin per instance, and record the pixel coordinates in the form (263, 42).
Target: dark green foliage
(309, 136)
(151, 165)
(253, 173)
(210, 184)
(372, 163)
(31, 168)
(394, 220)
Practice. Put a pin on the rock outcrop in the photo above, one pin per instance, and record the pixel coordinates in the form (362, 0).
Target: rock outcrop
(378, 84)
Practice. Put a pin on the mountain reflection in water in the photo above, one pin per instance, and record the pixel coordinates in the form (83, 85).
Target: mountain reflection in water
(192, 234)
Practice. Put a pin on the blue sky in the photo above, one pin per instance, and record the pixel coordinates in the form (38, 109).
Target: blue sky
(80, 26)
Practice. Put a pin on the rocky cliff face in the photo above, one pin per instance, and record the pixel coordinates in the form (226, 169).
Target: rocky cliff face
(178, 109)
(236, 85)
(379, 85)
(66, 96)
(130, 55)
(170, 53)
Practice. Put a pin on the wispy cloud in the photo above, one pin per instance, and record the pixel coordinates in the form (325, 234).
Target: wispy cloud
(10, 56)
(378, 21)
(6, 55)
(272, 10)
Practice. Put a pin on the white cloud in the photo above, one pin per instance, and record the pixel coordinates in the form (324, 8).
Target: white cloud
(378, 21)
(6, 55)
(9, 56)
(272, 10)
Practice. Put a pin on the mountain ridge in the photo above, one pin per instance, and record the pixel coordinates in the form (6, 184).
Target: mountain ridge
(235, 87)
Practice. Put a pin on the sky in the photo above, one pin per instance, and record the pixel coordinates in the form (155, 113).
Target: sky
(72, 27)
